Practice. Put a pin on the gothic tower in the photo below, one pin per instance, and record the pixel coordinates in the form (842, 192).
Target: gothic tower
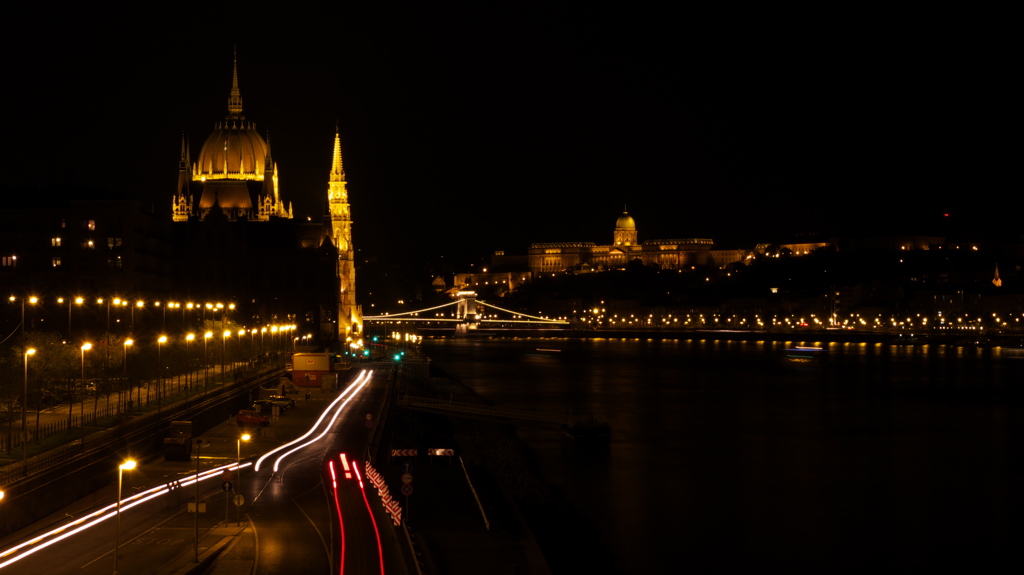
(350, 317)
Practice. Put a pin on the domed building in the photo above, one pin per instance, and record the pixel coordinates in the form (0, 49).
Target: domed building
(626, 247)
(234, 234)
(234, 171)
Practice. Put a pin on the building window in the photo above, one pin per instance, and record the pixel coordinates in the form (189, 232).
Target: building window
(91, 224)
(56, 262)
(88, 245)
(10, 261)
(114, 263)
(113, 243)
(55, 242)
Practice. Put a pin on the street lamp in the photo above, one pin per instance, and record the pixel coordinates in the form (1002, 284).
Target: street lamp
(24, 402)
(160, 364)
(127, 465)
(238, 466)
(241, 332)
(224, 351)
(188, 361)
(32, 300)
(127, 343)
(139, 304)
(206, 359)
(85, 347)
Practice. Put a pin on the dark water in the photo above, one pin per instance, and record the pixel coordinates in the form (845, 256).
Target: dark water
(724, 456)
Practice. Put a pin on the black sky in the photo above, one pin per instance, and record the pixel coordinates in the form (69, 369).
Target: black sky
(493, 126)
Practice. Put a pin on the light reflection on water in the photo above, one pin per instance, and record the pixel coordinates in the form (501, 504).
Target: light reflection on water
(724, 456)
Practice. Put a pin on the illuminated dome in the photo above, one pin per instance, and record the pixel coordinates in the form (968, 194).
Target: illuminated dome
(234, 151)
(234, 173)
(625, 221)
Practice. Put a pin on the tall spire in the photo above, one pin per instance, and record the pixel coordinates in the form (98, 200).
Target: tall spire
(183, 162)
(337, 168)
(235, 99)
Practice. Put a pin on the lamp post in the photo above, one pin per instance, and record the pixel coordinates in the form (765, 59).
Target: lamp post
(224, 351)
(241, 356)
(24, 403)
(32, 300)
(206, 360)
(127, 343)
(188, 361)
(70, 302)
(238, 466)
(160, 364)
(139, 304)
(85, 347)
(127, 465)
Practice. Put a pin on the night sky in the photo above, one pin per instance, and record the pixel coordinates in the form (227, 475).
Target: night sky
(484, 127)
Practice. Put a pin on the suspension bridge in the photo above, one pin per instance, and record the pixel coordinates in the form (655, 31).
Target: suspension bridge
(468, 313)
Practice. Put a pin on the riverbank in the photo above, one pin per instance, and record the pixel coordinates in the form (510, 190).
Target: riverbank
(798, 336)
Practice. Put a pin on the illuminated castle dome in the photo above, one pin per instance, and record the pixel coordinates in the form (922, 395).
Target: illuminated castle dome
(234, 172)
(625, 231)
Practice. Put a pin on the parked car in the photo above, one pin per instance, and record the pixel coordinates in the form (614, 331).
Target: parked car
(264, 406)
(282, 401)
(251, 417)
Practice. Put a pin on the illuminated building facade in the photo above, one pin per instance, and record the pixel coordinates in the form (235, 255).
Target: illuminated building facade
(349, 314)
(626, 247)
(234, 233)
(234, 173)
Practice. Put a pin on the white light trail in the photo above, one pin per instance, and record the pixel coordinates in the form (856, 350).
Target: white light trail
(360, 382)
(59, 534)
(349, 391)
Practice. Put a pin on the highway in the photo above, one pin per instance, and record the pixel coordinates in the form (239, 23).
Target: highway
(304, 514)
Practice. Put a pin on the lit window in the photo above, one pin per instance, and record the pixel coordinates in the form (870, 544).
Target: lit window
(90, 224)
(55, 242)
(114, 262)
(88, 245)
(113, 243)
(56, 262)
(9, 261)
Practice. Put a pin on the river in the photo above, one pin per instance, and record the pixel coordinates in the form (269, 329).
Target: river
(725, 456)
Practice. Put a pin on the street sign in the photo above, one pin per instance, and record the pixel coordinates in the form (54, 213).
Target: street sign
(226, 486)
(407, 478)
(228, 475)
(369, 423)
(403, 453)
(406, 467)
(369, 417)
(407, 489)
(435, 451)
(239, 500)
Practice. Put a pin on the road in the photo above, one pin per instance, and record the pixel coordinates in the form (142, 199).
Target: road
(291, 505)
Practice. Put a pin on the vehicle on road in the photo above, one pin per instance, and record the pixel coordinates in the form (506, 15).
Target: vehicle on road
(264, 406)
(282, 401)
(249, 417)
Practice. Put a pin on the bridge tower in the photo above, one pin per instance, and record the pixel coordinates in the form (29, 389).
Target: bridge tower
(350, 315)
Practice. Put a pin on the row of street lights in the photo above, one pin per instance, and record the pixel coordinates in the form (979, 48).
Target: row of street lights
(119, 302)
